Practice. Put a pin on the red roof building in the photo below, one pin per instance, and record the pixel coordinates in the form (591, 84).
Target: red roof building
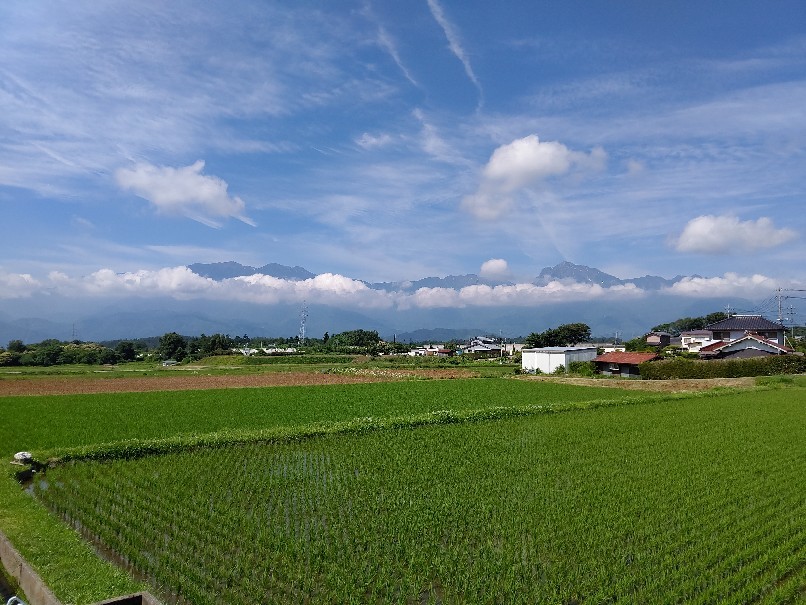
(622, 363)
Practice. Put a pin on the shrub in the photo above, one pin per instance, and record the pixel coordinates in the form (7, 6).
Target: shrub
(723, 368)
(583, 368)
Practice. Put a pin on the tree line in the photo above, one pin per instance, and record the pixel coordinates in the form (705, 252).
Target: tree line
(172, 345)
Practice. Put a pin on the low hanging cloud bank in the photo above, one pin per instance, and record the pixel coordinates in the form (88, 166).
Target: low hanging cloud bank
(331, 289)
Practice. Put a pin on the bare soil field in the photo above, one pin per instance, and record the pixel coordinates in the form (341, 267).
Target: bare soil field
(50, 385)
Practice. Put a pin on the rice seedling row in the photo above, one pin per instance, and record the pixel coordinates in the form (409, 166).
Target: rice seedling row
(61, 421)
(695, 500)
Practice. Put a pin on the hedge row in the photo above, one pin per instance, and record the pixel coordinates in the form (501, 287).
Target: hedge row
(723, 368)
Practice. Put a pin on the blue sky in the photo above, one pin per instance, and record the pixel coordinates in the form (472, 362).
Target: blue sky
(397, 140)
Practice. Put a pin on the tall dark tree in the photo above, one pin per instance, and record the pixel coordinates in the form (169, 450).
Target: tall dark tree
(125, 350)
(172, 346)
(16, 346)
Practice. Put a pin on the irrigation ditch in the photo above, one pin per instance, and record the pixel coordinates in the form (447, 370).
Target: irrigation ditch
(18, 578)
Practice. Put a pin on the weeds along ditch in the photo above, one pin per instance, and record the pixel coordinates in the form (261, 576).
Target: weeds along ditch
(695, 499)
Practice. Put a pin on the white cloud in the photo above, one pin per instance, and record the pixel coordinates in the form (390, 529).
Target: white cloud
(337, 290)
(515, 295)
(179, 282)
(183, 191)
(495, 267)
(18, 285)
(386, 42)
(635, 167)
(326, 288)
(711, 234)
(526, 160)
(523, 163)
(369, 141)
(731, 284)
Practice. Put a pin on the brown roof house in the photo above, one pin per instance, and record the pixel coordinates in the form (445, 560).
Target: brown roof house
(622, 363)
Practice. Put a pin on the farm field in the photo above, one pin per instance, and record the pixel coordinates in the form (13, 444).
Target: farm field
(668, 499)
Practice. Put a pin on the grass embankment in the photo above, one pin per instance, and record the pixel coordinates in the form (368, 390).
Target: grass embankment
(55, 423)
(696, 500)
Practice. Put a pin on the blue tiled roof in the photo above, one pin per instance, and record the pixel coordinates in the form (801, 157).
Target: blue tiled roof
(750, 323)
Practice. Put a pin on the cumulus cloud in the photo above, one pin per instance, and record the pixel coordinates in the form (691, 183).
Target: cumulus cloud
(18, 285)
(711, 234)
(183, 191)
(521, 164)
(494, 268)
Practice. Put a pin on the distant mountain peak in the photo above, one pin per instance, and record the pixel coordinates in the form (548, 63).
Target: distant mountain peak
(589, 275)
(230, 269)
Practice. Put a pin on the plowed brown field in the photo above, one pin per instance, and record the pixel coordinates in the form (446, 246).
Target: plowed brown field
(84, 385)
(50, 385)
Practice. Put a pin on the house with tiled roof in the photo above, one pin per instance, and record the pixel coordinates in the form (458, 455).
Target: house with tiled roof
(622, 363)
(749, 345)
(736, 326)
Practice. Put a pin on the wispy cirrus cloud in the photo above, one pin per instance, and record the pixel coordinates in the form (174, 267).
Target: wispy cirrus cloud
(388, 44)
(455, 44)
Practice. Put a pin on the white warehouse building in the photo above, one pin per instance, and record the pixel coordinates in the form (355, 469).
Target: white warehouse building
(548, 359)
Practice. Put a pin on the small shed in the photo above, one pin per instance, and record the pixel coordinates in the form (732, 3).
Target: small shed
(622, 363)
(548, 359)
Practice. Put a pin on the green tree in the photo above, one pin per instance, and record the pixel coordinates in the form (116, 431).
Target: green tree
(356, 338)
(46, 353)
(126, 351)
(16, 346)
(561, 336)
(172, 346)
(686, 324)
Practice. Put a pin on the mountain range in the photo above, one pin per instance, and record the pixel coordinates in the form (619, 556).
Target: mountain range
(564, 271)
(33, 320)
